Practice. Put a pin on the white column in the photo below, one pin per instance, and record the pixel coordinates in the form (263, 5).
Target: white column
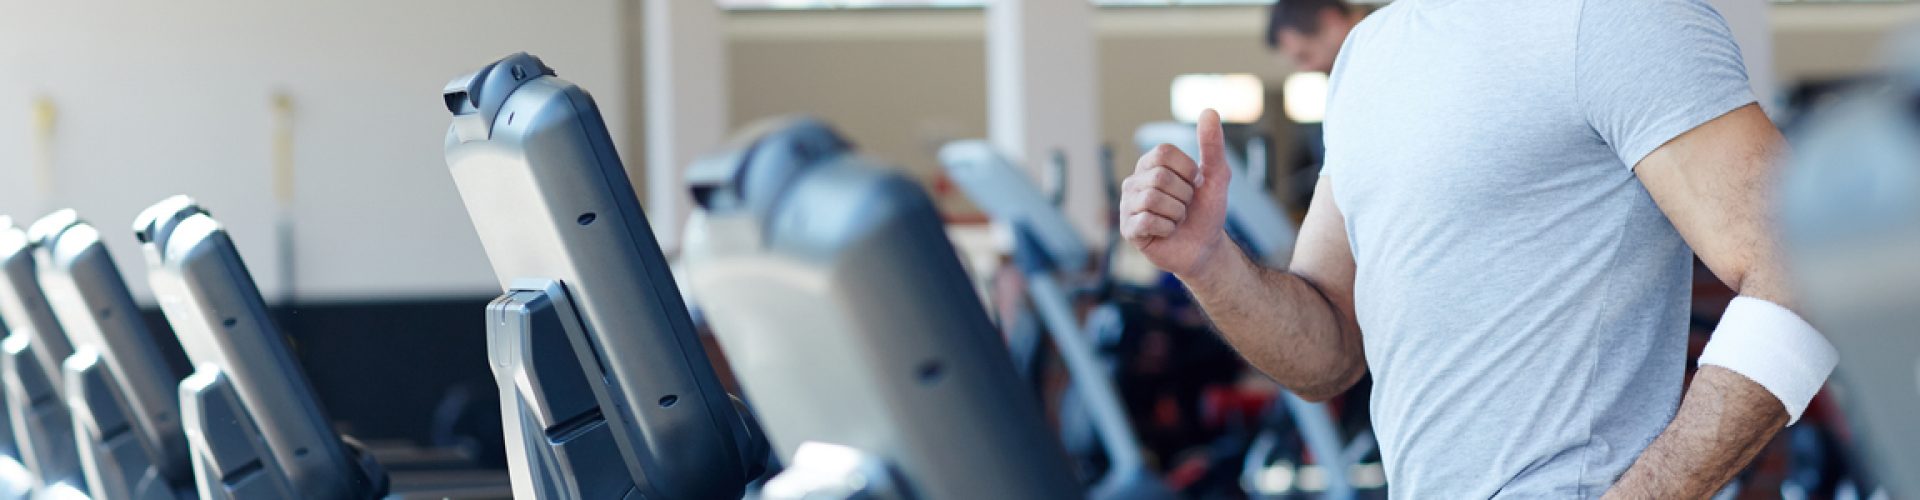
(1043, 96)
(1752, 27)
(686, 103)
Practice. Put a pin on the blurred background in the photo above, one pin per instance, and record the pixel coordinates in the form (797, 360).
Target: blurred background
(313, 130)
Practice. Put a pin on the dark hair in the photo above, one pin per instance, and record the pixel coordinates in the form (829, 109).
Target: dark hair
(1298, 15)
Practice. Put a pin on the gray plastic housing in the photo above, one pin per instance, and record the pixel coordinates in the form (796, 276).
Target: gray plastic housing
(1254, 219)
(121, 383)
(552, 202)
(31, 357)
(254, 426)
(850, 323)
(1008, 195)
(560, 443)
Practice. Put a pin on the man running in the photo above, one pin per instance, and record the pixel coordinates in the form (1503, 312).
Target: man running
(1503, 235)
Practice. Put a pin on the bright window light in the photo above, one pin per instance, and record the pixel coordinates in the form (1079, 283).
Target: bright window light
(1304, 97)
(1239, 97)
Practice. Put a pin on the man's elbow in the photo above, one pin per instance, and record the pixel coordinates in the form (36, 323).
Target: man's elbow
(1762, 282)
(1332, 386)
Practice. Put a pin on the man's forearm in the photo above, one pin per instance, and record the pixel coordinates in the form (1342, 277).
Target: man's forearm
(1281, 323)
(1724, 421)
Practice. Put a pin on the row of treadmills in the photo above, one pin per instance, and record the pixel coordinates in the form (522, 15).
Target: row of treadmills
(99, 406)
(872, 368)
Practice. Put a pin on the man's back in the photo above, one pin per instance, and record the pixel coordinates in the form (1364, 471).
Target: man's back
(1523, 301)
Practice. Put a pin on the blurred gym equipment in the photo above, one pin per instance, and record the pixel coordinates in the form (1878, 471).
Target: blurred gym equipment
(122, 379)
(605, 387)
(850, 324)
(15, 481)
(1850, 216)
(253, 425)
(34, 350)
(1256, 223)
(1046, 247)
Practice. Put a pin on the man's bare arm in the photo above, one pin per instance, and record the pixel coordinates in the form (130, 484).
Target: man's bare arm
(1296, 326)
(1715, 183)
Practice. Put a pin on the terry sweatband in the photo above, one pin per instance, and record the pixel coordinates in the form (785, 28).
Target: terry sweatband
(1775, 348)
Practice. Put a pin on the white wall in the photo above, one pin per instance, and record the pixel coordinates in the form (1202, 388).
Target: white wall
(160, 98)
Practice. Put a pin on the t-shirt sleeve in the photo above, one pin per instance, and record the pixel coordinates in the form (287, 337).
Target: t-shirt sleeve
(1647, 71)
(1331, 163)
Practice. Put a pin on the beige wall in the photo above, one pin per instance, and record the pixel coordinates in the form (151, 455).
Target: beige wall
(902, 82)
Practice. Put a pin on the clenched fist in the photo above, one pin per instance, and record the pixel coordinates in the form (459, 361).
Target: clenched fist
(1175, 210)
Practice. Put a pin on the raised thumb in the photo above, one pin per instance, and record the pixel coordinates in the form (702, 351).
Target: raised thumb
(1213, 151)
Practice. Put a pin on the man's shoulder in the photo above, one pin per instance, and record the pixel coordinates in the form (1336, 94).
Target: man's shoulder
(1631, 18)
(1372, 21)
(1362, 31)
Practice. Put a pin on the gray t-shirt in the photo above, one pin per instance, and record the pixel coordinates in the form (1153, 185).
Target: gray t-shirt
(1523, 301)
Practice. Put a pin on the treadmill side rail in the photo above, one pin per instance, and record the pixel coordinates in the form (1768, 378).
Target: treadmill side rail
(231, 460)
(116, 463)
(40, 418)
(550, 412)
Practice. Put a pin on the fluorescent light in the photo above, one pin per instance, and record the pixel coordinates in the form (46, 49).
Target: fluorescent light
(1239, 97)
(1304, 96)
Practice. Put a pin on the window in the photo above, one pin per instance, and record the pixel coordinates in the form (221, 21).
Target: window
(911, 4)
(936, 4)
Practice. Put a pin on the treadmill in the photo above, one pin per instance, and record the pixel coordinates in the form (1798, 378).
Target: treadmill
(31, 358)
(122, 379)
(854, 330)
(1045, 246)
(606, 389)
(1259, 227)
(254, 427)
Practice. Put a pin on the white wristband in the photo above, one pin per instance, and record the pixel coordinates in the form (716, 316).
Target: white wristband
(1775, 348)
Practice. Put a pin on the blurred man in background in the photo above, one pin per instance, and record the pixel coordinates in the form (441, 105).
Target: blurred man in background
(1309, 32)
